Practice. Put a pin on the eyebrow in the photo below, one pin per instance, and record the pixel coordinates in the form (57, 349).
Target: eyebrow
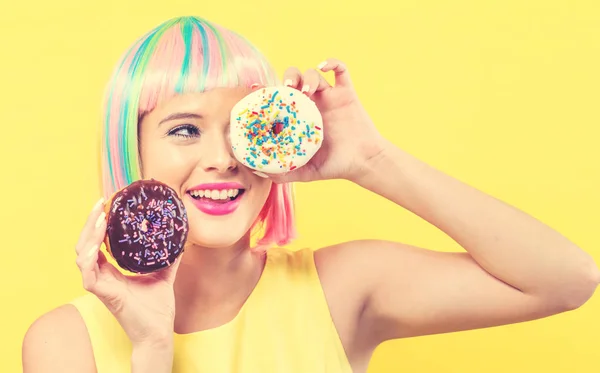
(180, 116)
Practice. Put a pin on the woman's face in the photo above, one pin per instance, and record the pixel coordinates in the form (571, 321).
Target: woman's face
(184, 143)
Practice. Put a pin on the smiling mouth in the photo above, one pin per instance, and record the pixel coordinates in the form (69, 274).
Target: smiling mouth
(216, 196)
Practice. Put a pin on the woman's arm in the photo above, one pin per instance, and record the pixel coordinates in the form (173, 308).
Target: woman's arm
(515, 268)
(59, 342)
(143, 306)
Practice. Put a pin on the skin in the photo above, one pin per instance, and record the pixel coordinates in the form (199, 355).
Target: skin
(514, 267)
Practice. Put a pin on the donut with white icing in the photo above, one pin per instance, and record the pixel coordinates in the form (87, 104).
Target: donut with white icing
(275, 130)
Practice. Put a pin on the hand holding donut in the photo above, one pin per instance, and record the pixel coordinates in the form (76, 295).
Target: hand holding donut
(143, 305)
(349, 135)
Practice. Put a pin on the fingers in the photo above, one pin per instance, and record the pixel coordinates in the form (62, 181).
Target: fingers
(309, 83)
(170, 273)
(88, 246)
(97, 273)
(312, 81)
(107, 268)
(342, 76)
(293, 78)
(86, 236)
(87, 261)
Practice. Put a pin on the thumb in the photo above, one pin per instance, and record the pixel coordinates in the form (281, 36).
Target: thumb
(276, 178)
(169, 274)
(298, 175)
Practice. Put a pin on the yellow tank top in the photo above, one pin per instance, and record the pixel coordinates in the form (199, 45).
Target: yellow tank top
(284, 326)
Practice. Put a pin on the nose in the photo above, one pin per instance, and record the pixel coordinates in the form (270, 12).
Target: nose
(216, 154)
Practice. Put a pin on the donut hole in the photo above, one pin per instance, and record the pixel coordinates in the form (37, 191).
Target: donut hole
(146, 225)
(148, 222)
(276, 128)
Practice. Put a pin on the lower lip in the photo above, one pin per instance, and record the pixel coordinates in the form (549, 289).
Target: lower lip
(215, 208)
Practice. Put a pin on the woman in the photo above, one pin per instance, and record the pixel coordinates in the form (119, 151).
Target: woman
(224, 307)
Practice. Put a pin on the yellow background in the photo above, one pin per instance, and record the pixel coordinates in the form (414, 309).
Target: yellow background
(501, 94)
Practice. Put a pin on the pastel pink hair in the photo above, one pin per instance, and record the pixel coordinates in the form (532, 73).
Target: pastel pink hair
(184, 54)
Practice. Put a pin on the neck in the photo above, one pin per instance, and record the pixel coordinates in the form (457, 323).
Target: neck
(210, 279)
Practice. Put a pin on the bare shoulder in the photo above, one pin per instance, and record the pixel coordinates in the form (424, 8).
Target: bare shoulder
(339, 267)
(58, 341)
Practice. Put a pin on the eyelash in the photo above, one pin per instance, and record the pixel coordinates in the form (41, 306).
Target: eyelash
(195, 131)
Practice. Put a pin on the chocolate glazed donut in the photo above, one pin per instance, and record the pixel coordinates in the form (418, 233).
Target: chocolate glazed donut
(147, 226)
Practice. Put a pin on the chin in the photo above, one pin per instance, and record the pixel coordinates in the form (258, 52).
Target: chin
(215, 236)
(220, 231)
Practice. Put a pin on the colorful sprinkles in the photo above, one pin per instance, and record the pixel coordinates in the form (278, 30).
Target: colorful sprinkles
(276, 133)
(147, 226)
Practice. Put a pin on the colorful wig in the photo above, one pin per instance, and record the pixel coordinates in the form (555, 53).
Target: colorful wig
(185, 54)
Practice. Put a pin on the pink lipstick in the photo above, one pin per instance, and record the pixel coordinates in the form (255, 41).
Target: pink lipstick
(226, 201)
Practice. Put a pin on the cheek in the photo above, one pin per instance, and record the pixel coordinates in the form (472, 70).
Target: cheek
(262, 190)
(168, 162)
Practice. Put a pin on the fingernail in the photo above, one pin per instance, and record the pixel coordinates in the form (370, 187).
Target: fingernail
(288, 82)
(305, 88)
(254, 86)
(322, 65)
(92, 251)
(258, 173)
(100, 219)
(98, 204)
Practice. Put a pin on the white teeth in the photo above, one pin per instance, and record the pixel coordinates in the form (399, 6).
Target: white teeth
(215, 194)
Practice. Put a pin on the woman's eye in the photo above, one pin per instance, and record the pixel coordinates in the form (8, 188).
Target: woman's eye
(186, 131)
